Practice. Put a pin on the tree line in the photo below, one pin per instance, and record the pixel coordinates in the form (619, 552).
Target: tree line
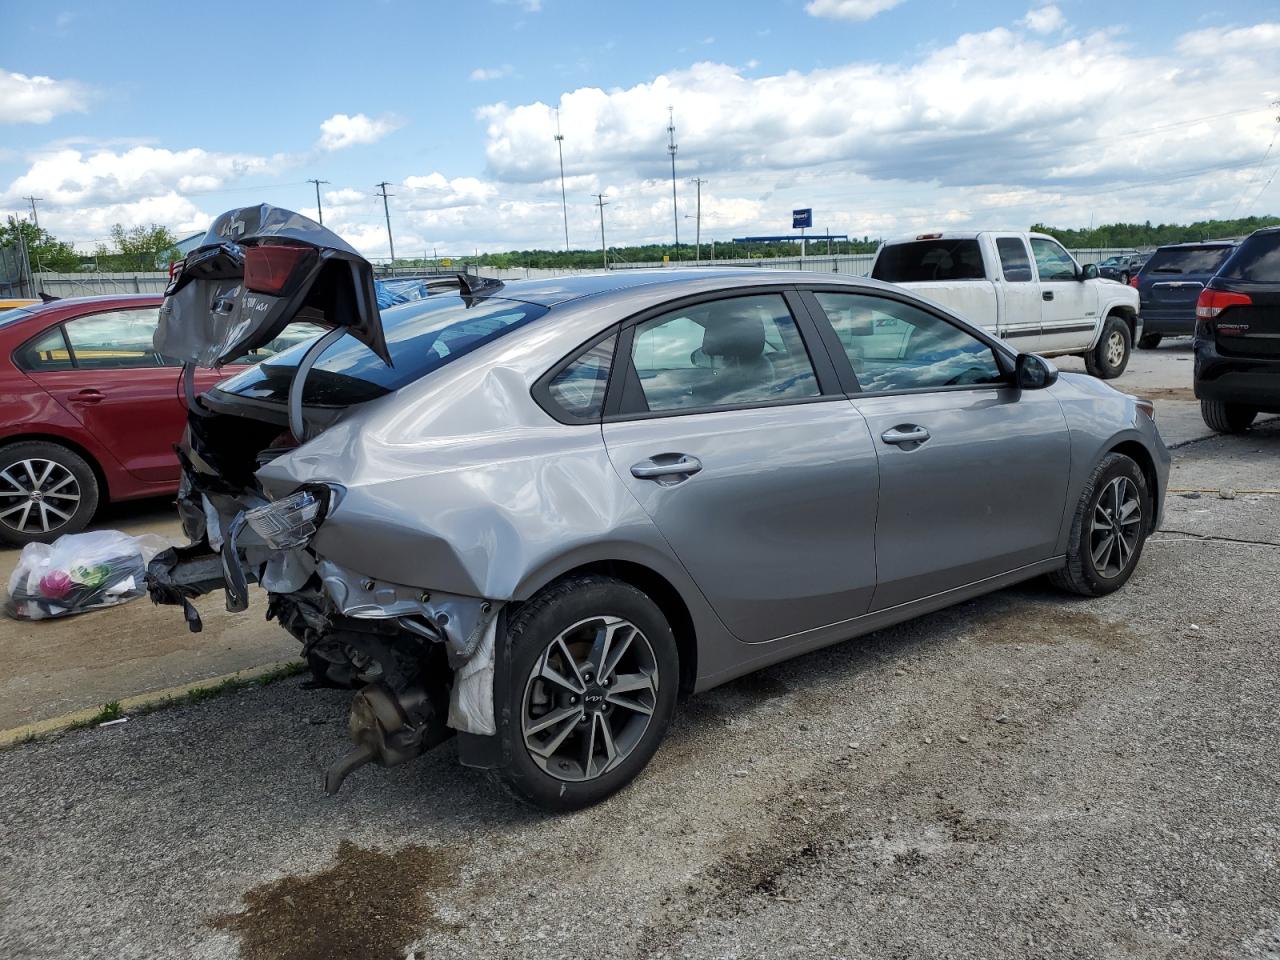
(141, 249)
(1140, 235)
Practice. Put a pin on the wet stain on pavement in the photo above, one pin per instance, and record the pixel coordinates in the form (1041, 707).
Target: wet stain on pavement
(1168, 393)
(369, 905)
(1050, 625)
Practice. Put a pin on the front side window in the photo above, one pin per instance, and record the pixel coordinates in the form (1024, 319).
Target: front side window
(895, 346)
(1052, 261)
(744, 350)
(578, 390)
(114, 340)
(1014, 260)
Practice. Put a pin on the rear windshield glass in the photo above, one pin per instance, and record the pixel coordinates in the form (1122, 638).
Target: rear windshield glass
(1257, 259)
(924, 260)
(1188, 260)
(422, 336)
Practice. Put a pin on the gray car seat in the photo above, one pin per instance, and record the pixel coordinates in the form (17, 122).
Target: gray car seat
(735, 342)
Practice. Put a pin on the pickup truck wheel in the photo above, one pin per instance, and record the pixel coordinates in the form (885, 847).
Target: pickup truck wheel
(1108, 359)
(592, 672)
(1149, 341)
(1226, 417)
(1109, 528)
(46, 490)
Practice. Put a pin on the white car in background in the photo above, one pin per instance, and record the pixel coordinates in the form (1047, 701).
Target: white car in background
(1022, 287)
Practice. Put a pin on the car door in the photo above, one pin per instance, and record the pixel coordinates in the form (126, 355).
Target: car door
(1020, 318)
(735, 438)
(1069, 307)
(120, 389)
(973, 471)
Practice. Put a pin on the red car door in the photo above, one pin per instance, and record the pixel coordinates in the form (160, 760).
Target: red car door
(121, 390)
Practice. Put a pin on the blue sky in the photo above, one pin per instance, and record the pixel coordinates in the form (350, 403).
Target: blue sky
(882, 115)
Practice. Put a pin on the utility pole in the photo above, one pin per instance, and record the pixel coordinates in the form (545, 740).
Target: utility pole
(671, 149)
(698, 182)
(387, 213)
(604, 251)
(564, 203)
(319, 212)
(34, 216)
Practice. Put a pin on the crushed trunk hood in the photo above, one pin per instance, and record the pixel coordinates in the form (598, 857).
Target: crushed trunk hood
(298, 271)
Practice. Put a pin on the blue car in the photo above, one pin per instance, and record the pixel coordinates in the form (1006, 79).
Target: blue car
(1169, 284)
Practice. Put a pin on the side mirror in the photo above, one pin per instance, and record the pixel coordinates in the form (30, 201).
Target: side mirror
(1088, 272)
(1031, 372)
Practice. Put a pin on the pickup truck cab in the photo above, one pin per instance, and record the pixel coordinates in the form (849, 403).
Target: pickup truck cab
(1024, 288)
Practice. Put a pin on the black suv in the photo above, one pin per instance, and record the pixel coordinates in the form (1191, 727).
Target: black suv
(1169, 284)
(1237, 338)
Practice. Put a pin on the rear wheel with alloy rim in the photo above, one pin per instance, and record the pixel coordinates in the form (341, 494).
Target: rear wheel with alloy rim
(46, 490)
(591, 671)
(1109, 528)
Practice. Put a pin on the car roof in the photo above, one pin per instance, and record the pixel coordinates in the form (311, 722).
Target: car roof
(669, 282)
(1197, 244)
(71, 304)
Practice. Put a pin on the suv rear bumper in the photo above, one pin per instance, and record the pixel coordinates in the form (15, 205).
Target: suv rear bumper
(1248, 381)
(1169, 323)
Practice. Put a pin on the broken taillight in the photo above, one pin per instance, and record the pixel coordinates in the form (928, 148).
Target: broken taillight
(268, 267)
(290, 522)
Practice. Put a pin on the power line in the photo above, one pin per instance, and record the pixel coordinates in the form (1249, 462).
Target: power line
(564, 203)
(1253, 176)
(319, 212)
(386, 211)
(604, 251)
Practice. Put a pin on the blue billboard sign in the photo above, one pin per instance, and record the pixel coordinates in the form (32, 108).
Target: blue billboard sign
(801, 218)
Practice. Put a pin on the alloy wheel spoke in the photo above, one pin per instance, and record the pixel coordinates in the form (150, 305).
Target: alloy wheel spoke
(618, 651)
(1102, 550)
(48, 469)
(551, 719)
(26, 504)
(602, 646)
(554, 744)
(606, 740)
(60, 484)
(589, 745)
(31, 472)
(61, 496)
(628, 703)
(46, 505)
(547, 672)
(17, 484)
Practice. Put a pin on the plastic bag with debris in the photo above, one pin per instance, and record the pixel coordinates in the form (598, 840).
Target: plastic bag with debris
(79, 572)
(394, 292)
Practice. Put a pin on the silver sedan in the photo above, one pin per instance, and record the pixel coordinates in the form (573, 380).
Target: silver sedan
(536, 514)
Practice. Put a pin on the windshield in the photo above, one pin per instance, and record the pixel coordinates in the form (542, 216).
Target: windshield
(924, 260)
(422, 336)
(1187, 260)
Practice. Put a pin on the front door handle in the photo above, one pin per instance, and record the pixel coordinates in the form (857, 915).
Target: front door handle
(88, 395)
(908, 433)
(666, 465)
(1046, 294)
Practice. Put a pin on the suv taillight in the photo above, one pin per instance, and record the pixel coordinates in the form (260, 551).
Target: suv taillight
(1213, 302)
(267, 268)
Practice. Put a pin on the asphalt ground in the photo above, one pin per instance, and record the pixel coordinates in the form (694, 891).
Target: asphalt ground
(1024, 775)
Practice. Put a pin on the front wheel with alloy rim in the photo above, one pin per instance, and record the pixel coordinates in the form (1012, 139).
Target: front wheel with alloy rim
(46, 490)
(586, 692)
(1108, 530)
(1108, 359)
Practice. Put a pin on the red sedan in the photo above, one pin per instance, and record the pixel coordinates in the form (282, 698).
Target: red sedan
(89, 412)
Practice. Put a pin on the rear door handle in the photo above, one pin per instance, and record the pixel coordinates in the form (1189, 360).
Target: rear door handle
(909, 433)
(1046, 294)
(666, 465)
(88, 395)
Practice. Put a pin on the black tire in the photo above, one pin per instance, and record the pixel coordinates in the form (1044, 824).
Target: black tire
(1149, 341)
(535, 627)
(67, 471)
(1227, 417)
(1083, 573)
(1108, 359)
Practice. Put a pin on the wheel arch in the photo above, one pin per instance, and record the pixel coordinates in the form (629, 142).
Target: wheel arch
(663, 593)
(1139, 454)
(1126, 313)
(80, 450)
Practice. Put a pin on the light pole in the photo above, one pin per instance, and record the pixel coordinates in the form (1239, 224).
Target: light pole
(698, 182)
(604, 251)
(564, 203)
(671, 149)
(387, 213)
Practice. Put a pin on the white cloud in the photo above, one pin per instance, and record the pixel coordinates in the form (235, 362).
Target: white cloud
(341, 131)
(25, 99)
(491, 73)
(849, 9)
(1222, 40)
(1044, 20)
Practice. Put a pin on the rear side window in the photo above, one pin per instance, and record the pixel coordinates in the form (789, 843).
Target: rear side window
(922, 261)
(120, 339)
(1014, 260)
(1188, 260)
(744, 350)
(1257, 259)
(578, 390)
(422, 336)
(48, 351)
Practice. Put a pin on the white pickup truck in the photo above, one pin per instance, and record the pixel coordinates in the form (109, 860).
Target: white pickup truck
(1024, 288)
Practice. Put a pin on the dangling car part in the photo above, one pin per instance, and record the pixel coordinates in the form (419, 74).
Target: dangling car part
(535, 513)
